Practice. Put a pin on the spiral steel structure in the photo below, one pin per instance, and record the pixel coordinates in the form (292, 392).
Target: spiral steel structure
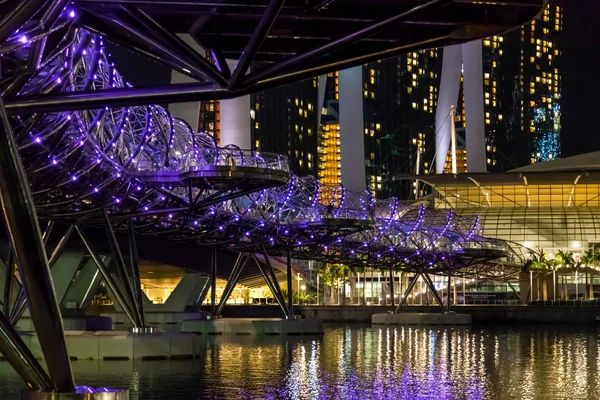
(139, 163)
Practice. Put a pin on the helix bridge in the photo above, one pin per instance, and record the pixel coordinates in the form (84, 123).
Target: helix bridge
(81, 147)
(140, 166)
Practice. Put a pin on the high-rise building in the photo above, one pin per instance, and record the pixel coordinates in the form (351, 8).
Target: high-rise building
(284, 120)
(521, 92)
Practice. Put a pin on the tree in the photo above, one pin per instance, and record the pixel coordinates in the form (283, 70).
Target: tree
(587, 260)
(537, 262)
(564, 260)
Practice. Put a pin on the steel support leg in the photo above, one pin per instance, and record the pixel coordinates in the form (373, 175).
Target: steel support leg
(289, 284)
(448, 289)
(10, 276)
(120, 298)
(135, 272)
(20, 357)
(435, 293)
(392, 286)
(271, 285)
(20, 302)
(24, 232)
(239, 265)
(213, 282)
(121, 268)
(271, 272)
(407, 292)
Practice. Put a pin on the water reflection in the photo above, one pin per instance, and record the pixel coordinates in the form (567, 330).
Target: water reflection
(352, 362)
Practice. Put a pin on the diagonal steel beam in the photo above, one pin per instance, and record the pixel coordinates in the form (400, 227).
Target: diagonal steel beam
(435, 293)
(256, 40)
(178, 45)
(120, 262)
(21, 301)
(271, 286)
(239, 265)
(119, 297)
(24, 232)
(18, 355)
(135, 272)
(335, 45)
(409, 289)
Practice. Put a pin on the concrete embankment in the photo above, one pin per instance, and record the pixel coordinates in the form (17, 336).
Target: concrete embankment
(479, 313)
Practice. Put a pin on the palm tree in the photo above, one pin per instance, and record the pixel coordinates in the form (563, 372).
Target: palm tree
(588, 259)
(537, 261)
(566, 260)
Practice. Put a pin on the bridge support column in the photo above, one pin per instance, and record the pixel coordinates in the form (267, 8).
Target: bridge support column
(272, 283)
(24, 232)
(239, 265)
(409, 289)
(290, 298)
(213, 282)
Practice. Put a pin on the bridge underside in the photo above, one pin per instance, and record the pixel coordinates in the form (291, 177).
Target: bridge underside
(81, 147)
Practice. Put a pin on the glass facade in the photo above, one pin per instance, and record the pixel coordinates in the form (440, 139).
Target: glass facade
(284, 120)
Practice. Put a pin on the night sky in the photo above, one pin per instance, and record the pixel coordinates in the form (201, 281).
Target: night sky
(580, 71)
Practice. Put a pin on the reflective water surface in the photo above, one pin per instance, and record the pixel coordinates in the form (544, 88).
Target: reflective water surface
(357, 361)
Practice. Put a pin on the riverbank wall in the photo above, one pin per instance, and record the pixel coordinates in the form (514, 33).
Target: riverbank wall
(480, 314)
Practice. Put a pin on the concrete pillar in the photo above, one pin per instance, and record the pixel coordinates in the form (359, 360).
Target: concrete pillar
(235, 119)
(352, 140)
(467, 57)
(473, 88)
(447, 96)
(321, 99)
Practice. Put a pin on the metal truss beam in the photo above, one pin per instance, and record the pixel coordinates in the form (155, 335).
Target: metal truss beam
(24, 232)
(409, 289)
(18, 355)
(213, 282)
(256, 40)
(435, 293)
(119, 297)
(234, 276)
(290, 298)
(135, 272)
(290, 63)
(21, 302)
(273, 286)
(122, 269)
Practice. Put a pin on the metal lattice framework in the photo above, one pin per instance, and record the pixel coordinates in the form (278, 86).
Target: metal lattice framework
(81, 146)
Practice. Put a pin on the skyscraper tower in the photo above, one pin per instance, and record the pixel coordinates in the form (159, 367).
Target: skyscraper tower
(509, 89)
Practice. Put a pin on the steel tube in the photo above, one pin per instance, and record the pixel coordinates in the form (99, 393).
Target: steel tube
(345, 41)
(280, 300)
(213, 282)
(407, 292)
(232, 281)
(135, 271)
(17, 16)
(392, 286)
(289, 283)
(118, 258)
(272, 272)
(184, 92)
(256, 40)
(24, 232)
(106, 275)
(176, 43)
(10, 276)
(435, 293)
(20, 302)
(18, 355)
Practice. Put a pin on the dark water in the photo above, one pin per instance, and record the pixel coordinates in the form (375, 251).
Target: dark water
(360, 362)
